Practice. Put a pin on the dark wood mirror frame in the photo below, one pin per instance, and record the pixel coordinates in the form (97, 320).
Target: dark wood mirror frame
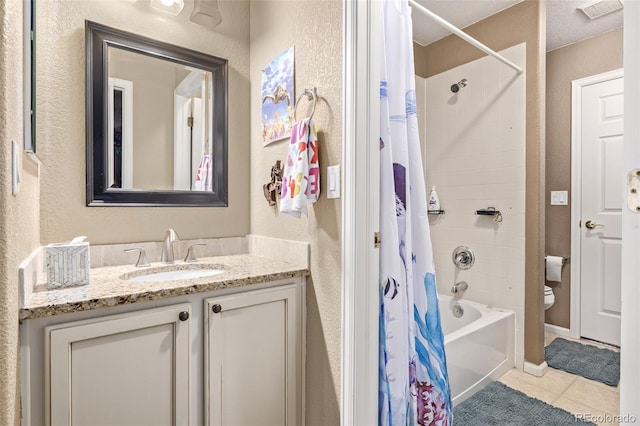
(98, 38)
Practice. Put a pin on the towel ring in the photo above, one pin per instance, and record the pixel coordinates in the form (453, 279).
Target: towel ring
(311, 95)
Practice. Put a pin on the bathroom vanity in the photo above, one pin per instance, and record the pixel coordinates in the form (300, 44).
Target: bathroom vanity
(215, 350)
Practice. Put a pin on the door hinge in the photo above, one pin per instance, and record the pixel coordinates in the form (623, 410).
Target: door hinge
(633, 190)
(189, 121)
(376, 239)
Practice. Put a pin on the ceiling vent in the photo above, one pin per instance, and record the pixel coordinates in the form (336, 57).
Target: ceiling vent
(596, 9)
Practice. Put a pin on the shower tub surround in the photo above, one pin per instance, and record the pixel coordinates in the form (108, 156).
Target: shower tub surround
(479, 344)
(473, 144)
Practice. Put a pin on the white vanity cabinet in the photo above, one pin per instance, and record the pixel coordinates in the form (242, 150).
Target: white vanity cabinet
(253, 356)
(129, 369)
(233, 356)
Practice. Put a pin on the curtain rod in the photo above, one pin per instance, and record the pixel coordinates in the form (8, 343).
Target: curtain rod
(466, 37)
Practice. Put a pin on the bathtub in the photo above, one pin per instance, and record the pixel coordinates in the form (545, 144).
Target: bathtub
(479, 345)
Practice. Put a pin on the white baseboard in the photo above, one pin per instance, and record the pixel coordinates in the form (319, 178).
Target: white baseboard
(560, 331)
(536, 370)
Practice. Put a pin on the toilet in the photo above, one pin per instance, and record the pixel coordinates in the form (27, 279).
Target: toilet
(549, 298)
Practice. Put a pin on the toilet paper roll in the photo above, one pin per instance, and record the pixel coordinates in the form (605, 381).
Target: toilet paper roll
(554, 268)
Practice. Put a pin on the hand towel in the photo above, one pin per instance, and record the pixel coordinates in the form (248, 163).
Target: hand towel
(301, 180)
(203, 176)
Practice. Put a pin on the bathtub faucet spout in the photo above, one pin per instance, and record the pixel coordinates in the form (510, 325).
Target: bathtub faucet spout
(459, 287)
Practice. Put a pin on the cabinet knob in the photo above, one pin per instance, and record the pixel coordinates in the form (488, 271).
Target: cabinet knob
(183, 316)
(216, 308)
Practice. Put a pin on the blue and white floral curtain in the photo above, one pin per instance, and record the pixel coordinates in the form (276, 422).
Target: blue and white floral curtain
(414, 386)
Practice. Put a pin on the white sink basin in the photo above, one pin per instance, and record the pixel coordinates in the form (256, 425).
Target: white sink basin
(183, 274)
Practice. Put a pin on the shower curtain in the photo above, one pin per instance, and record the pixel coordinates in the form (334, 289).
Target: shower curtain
(413, 383)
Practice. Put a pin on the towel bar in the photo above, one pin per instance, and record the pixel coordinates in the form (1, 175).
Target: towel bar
(312, 95)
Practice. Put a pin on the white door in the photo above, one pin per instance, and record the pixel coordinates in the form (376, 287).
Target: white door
(602, 198)
(130, 369)
(254, 358)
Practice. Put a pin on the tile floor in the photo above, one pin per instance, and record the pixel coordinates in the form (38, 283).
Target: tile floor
(572, 393)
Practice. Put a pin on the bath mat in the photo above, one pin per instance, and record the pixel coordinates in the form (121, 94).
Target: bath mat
(587, 361)
(500, 405)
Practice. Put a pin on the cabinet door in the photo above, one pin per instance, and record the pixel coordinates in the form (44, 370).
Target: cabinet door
(254, 358)
(130, 369)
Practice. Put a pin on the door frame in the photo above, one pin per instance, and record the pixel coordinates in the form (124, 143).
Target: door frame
(185, 137)
(126, 87)
(630, 333)
(576, 188)
(360, 211)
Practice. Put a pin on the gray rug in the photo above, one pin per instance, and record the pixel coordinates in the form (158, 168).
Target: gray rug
(587, 361)
(500, 405)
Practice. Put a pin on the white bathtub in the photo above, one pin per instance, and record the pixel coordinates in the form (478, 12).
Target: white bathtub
(479, 345)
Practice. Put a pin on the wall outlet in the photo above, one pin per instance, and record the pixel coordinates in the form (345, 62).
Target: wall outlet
(559, 198)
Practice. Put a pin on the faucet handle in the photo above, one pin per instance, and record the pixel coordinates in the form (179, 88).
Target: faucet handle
(142, 257)
(190, 257)
(463, 257)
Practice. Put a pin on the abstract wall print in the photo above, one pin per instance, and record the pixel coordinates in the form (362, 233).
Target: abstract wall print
(278, 98)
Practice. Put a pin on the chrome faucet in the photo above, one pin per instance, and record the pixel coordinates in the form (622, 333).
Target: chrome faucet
(459, 287)
(167, 246)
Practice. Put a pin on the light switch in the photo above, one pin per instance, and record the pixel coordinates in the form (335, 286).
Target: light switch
(333, 182)
(559, 198)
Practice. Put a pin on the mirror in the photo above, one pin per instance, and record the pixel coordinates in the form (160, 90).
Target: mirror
(156, 122)
(29, 37)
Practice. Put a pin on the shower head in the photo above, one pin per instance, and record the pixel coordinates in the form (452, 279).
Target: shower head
(456, 86)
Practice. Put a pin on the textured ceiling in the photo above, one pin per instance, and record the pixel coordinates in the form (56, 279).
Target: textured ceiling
(460, 13)
(565, 24)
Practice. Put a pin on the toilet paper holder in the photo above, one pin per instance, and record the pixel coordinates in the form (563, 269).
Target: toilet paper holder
(565, 259)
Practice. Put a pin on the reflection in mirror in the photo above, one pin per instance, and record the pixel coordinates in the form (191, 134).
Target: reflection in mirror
(158, 107)
(163, 139)
(29, 37)
(120, 142)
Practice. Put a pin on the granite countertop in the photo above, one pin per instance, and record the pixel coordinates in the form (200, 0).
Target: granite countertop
(108, 286)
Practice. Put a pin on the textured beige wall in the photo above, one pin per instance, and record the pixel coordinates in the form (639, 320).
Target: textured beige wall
(314, 27)
(524, 22)
(61, 130)
(420, 57)
(583, 59)
(19, 214)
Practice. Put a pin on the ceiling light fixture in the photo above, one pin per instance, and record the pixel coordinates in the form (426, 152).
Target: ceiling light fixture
(596, 9)
(206, 12)
(172, 7)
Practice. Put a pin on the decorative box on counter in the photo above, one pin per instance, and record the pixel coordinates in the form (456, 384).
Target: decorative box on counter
(67, 264)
